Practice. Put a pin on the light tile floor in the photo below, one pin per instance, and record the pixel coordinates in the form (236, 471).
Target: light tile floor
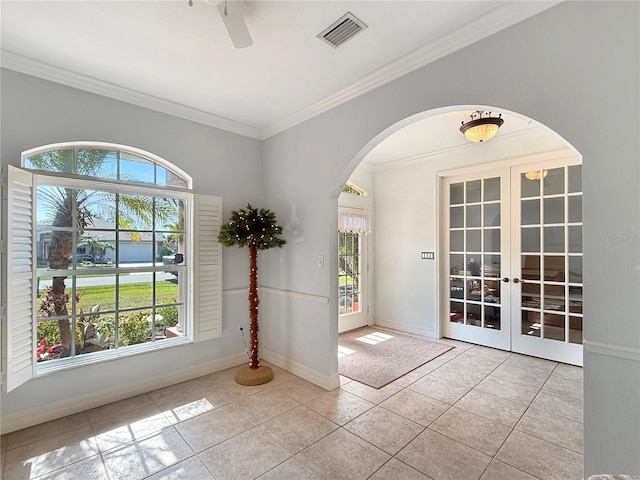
(473, 413)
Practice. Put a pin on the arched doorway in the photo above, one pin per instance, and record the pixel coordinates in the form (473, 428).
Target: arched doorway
(417, 166)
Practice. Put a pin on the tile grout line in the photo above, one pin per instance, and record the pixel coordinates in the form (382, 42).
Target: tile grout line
(153, 402)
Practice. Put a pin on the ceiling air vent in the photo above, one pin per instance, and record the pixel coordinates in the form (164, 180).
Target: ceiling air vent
(347, 27)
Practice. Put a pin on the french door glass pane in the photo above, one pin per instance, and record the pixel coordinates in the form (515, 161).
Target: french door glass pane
(349, 262)
(575, 239)
(456, 193)
(575, 269)
(491, 214)
(554, 268)
(575, 330)
(554, 327)
(474, 222)
(554, 297)
(456, 241)
(491, 189)
(456, 264)
(456, 287)
(575, 178)
(551, 286)
(575, 209)
(456, 217)
(492, 291)
(530, 267)
(554, 182)
(530, 188)
(530, 212)
(473, 241)
(491, 267)
(474, 315)
(531, 295)
(554, 239)
(492, 240)
(473, 216)
(492, 317)
(575, 300)
(530, 239)
(530, 323)
(456, 312)
(554, 210)
(473, 191)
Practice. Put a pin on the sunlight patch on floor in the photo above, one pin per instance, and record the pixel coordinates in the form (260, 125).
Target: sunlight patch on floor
(189, 410)
(375, 338)
(344, 351)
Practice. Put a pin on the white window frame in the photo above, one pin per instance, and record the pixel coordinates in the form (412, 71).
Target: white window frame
(358, 191)
(203, 217)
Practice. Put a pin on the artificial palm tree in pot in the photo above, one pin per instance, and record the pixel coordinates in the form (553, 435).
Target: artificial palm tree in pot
(258, 230)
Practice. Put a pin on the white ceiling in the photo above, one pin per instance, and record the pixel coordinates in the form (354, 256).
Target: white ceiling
(176, 59)
(440, 135)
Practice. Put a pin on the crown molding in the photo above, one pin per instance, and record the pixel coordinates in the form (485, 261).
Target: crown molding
(29, 66)
(506, 15)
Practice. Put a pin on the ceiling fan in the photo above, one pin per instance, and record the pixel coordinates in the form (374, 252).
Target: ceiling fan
(233, 21)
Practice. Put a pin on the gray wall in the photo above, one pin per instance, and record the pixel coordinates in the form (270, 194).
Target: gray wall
(36, 112)
(574, 68)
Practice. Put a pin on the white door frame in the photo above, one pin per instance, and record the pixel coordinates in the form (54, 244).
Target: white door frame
(482, 335)
(442, 308)
(361, 318)
(362, 202)
(561, 351)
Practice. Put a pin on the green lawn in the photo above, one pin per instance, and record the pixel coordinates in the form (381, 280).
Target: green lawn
(131, 295)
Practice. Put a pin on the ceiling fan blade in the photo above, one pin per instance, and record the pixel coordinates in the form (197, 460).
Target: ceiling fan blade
(234, 22)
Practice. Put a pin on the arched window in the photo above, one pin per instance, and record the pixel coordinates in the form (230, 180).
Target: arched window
(101, 256)
(353, 189)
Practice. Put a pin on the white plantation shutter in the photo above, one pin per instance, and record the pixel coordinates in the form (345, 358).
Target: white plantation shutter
(21, 269)
(207, 264)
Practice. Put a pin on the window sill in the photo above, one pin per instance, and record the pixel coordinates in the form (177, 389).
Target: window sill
(52, 366)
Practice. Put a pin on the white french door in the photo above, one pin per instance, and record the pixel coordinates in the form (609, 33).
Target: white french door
(352, 281)
(513, 263)
(547, 261)
(477, 247)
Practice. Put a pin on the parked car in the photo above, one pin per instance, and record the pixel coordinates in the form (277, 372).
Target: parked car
(172, 259)
(83, 257)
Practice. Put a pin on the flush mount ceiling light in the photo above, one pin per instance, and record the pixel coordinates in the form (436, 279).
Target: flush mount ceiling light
(536, 174)
(482, 126)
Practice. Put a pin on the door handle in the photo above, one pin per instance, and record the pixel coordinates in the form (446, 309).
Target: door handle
(516, 280)
(505, 279)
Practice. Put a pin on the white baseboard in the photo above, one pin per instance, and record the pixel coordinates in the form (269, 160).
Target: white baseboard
(328, 382)
(37, 415)
(407, 327)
